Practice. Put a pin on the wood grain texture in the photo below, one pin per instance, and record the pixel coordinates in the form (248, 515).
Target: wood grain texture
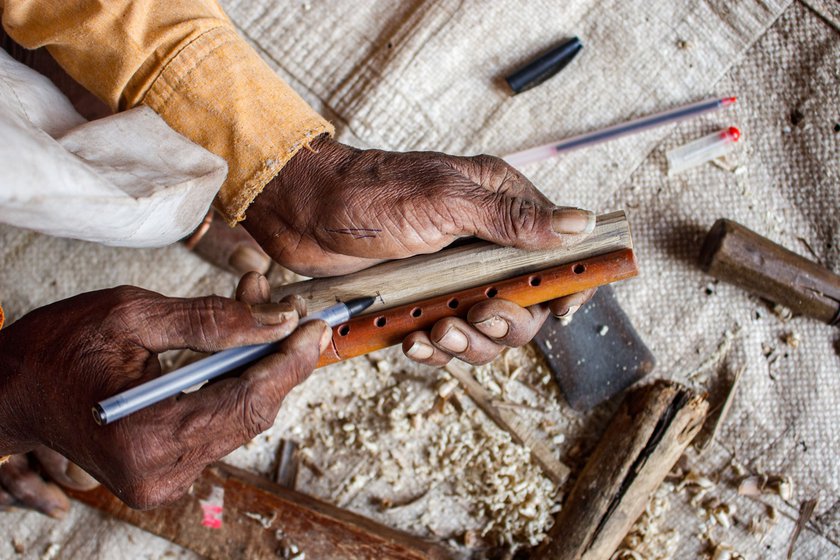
(277, 518)
(509, 421)
(737, 255)
(403, 281)
(652, 428)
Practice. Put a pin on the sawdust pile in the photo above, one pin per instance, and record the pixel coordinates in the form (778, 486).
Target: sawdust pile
(403, 444)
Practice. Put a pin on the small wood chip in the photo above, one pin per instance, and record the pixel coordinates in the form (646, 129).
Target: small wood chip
(806, 510)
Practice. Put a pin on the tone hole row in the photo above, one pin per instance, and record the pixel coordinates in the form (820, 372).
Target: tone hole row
(453, 303)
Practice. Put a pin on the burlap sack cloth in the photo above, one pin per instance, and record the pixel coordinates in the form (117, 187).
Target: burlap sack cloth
(426, 75)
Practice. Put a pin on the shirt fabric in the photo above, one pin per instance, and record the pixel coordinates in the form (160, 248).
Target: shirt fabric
(184, 60)
(127, 179)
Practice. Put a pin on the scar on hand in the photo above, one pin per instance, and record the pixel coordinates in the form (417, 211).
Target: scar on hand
(357, 233)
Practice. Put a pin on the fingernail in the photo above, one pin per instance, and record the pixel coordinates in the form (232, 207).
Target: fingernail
(297, 302)
(273, 313)
(420, 351)
(56, 511)
(572, 220)
(569, 312)
(454, 340)
(245, 259)
(494, 327)
(326, 338)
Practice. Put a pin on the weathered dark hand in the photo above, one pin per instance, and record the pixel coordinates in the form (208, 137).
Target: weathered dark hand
(339, 209)
(57, 361)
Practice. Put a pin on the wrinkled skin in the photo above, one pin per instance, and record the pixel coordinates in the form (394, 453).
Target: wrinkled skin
(336, 209)
(331, 211)
(94, 345)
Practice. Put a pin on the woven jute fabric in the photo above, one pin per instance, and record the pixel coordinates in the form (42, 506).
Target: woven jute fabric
(427, 75)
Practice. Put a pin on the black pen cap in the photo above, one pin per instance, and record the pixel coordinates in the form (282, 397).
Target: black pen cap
(545, 66)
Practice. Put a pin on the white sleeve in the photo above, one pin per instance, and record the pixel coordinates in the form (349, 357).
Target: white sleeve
(126, 180)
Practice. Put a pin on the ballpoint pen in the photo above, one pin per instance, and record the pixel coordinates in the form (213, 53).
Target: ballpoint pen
(165, 386)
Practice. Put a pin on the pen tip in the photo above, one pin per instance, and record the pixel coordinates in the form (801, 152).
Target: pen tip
(358, 305)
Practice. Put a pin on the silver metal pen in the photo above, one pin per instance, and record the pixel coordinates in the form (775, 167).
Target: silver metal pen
(165, 386)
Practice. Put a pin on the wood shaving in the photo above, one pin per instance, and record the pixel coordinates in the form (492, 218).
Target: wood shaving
(287, 549)
(758, 485)
(792, 339)
(724, 551)
(398, 448)
(806, 510)
(648, 538)
(263, 520)
(761, 525)
(783, 313)
(696, 485)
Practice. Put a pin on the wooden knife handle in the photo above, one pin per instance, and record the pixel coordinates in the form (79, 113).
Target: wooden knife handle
(388, 327)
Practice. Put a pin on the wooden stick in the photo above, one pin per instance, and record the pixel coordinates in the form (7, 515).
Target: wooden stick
(405, 281)
(260, 519)
(415, 293)
(509, 421)
(718, 415)
(742, 257)
(287, 464)
(652, 428)
(806, 510)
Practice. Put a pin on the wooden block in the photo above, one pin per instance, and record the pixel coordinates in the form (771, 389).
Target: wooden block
(645, 438)
(231, 513)
(742, 257)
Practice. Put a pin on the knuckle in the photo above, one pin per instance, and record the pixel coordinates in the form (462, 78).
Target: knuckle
(521, 214)
(489, 163)
(141, 494)
(206, 317)
(126, 305)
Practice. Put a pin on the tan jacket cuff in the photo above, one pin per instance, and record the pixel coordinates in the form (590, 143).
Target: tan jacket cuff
(221, 95)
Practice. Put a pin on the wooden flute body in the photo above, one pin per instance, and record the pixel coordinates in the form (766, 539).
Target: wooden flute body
(413, 293)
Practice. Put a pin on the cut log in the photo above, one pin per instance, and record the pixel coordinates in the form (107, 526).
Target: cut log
(645, 438)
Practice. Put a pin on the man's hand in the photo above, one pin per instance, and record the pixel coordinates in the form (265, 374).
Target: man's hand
(338, 209)
(56, 362)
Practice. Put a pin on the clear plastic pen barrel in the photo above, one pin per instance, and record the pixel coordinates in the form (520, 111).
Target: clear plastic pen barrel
(702, 150)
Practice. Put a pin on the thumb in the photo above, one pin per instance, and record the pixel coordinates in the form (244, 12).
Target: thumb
(240, 408)
(295, 359)
(525, 223)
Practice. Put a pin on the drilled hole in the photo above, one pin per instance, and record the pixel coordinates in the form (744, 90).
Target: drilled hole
(416, 312)
(344, 330)
(579, 268)
(380, 321)
(453, 303)
(534, 280)
(491, 292)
